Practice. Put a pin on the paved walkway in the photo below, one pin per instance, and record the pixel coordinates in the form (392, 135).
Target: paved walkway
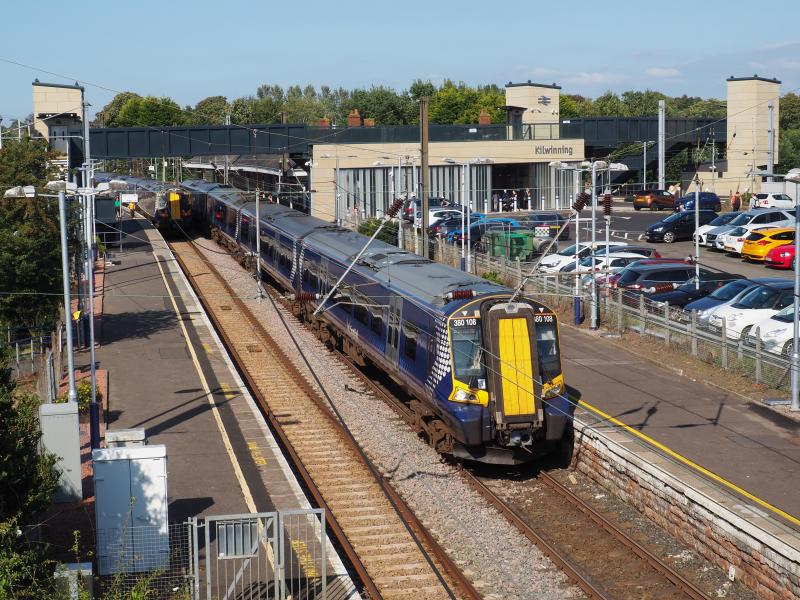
(751, 446)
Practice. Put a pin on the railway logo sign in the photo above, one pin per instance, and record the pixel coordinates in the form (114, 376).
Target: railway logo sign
(544, 100)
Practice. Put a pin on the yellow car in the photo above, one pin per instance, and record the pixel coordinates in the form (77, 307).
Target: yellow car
(759, 243)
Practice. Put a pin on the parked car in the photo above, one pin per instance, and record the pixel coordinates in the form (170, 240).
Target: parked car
(611, 280)
(654, 200)
(776, 333)
(642, 251)
(553, 262)
(759, 243)
(763, 218)
(613, 262)
(758, 304)
(677, 226)
(708, 201)
(728, 294)
(552, 220)
(637, 277)
(436, 214)
(445, 226)
(689, 291)
(771, 200)
(781, 257)
(478, 228)
(721, 220)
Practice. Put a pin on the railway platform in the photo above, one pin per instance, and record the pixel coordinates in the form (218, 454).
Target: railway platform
(170, 374)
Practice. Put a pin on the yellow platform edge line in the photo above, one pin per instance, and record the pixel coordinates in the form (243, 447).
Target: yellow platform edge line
(691, 464)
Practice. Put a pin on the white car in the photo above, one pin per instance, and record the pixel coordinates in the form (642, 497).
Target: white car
(613, 262)
(776, 333)
(733, 241)
(761, 218)
(771, 200)
(756, 305)
(553, 262)
(720, 221)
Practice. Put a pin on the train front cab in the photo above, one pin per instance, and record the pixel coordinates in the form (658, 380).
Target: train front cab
(506, 357)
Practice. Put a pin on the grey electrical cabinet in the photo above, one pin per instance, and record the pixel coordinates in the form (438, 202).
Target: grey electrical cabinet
(61, 436)
(130, 486)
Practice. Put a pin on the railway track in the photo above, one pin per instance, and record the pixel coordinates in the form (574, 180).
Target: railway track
(390, 550)
(597, 555)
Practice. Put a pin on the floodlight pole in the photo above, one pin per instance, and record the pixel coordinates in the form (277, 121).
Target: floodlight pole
(62, 212)
(795, 405)
(593, 324)
(696, 237)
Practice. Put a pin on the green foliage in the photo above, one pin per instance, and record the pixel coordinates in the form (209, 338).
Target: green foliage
(388, 234)
(108, 116)
(494, 277)
(25, 572)
(789, 149)
(30, 252)
(150, 111)
(23, 162)
(675, 166)
(210, 111)
(461, 104)
(789, 112)
(84, 390)
(384, 105)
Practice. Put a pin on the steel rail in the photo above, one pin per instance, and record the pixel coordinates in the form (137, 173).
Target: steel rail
(404, 512)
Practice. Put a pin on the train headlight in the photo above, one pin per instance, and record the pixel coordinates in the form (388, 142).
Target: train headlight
(553, 391)
(465, 396)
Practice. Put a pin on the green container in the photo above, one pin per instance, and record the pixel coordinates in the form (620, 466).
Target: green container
(511, 245)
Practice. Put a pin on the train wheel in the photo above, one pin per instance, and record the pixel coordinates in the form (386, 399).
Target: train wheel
(441, 439)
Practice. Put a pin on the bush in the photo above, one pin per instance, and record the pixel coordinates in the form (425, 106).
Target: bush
(494, 277)
(84, 391)
(388, 234)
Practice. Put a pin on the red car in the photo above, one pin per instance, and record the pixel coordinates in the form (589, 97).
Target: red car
(781, 257)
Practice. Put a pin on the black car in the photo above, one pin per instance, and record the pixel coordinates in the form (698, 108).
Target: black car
(552, 220)
(677, 226)
(689, 292)
(640, 277)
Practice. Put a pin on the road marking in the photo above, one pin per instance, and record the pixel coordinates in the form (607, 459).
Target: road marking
(255, 452)
(691, 464)
(207, 348)
(237, 469)
(227, 391)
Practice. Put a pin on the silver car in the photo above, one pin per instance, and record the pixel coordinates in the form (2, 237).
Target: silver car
(763, 218)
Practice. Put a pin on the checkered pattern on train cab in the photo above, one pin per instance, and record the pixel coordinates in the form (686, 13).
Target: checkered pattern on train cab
(441, 362)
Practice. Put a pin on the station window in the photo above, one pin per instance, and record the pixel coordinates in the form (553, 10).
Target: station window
(410, 344)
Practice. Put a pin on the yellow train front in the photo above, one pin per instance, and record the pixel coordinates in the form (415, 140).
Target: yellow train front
(506, 390)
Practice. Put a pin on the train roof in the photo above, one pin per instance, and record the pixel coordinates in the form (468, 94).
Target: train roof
(222, 192)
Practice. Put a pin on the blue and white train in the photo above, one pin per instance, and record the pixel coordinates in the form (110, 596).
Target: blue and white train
(484, 373)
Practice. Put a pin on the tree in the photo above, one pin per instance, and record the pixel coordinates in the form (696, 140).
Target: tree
(789, 150)
(30, 252)
(150, 112)
(641, 104)
(789, 112)
(23, 162)
(568, 107)
(421, 88)
(608, 105)
(384, 105)
(27, 481)
(109, 114)
(210, 111)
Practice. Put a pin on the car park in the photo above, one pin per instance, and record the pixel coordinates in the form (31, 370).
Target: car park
(708, 201)
(756, 245)
(759, 303)
(613, 262)
(727, 294)
(677, 226)
(761, 218)
(654, 200)
(553, 262)
(776, 333)
(720, 221)
(781, 257)
(478, 228)
(690, 291)
(771, 200)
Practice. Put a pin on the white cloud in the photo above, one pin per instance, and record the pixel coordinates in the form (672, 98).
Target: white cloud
(662, 72)
(592, 78)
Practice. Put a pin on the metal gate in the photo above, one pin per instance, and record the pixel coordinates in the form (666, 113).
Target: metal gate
(260, 556)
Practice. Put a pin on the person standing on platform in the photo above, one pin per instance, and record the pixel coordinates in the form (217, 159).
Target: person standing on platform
(737, 202)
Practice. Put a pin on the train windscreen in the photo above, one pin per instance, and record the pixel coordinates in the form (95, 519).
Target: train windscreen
(467, 342)
(547, 349)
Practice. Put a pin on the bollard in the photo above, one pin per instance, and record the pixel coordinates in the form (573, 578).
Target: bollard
(576, 308)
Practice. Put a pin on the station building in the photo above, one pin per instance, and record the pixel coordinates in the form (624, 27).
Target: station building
(484, 162)
(58, 114)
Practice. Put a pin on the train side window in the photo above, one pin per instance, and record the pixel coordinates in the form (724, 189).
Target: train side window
(410, 344)
(359, 308)
(376, 325)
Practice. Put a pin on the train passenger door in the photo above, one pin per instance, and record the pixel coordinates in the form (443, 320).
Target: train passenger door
(514, 385)
(393, 328)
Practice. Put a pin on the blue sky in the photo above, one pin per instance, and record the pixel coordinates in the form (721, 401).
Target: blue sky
(192, 49)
